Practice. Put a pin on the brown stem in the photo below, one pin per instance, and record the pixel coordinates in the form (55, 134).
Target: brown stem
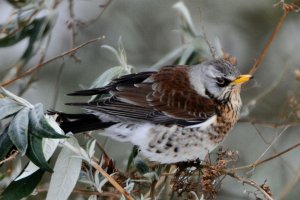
(267, 46)
(111, 180)
(251, 183)
(10, 158)
(40, 65)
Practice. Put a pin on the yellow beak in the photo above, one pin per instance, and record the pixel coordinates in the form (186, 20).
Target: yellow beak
(242, 79)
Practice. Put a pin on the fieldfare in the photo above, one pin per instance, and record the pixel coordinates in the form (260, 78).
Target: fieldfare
(179, 113)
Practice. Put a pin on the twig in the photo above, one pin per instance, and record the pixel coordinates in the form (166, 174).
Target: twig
(72, 27)
(268, 159)
(104, 7)
(267, 46)
(251, 183)
(10, 158)
(111, 180)
(273, 142)
(38, 66)
(269, 124)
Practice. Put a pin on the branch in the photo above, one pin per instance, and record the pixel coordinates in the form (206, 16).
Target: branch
(251, 183)
(10, 158)
(111, 180)
(253, 165)
(93, 20)
(287, 9)
(268, 123)
(38, 66)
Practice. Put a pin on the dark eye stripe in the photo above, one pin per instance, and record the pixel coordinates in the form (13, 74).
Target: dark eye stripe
(222, 82)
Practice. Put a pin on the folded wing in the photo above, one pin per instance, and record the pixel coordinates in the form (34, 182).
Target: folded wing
(164, 97)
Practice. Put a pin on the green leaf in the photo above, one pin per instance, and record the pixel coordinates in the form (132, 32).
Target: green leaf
(17, 36)
(186, 55)
(141, 166)
(134, 153)
(49, 147)
(20, 100)
(5, 144)
(35, 29)
(18, 130)
(66, 172)
(107, 76)
(8, 108)
(38, 124)
(41, 27)
(20, 3)
(35, 153)
(22, 188)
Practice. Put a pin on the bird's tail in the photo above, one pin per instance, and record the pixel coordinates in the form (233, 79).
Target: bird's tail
(77, 123)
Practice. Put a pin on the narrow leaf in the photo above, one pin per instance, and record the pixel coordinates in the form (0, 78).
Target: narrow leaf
(108, 75)
(35, 153)
(39, 125)
(8, 110)
(16, 98)
(141, 166)
(49, 146)
(66, 172)
(5, 144)
(18, 130)
(22, 188)
(91, 148)
(4, 101)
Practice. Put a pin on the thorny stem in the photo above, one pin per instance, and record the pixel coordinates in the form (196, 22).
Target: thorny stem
(274, 33)
(40, 65)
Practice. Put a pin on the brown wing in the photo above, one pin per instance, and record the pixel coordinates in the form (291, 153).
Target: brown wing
(163, 97)
(168, 91)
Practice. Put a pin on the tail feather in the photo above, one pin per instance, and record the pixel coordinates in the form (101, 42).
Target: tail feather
(90, 92)
(77, 123)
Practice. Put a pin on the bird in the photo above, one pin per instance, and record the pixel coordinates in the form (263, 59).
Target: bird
(179, 113)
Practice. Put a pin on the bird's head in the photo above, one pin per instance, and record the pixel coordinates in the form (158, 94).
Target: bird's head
(217, 79)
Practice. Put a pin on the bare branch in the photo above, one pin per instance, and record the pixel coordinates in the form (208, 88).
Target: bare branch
(253, 165)
(38, 66)
(10, 158)
(287, 9)
(111, 180)
(251, 183)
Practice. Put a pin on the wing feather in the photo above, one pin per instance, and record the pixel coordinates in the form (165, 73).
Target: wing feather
(160, 97)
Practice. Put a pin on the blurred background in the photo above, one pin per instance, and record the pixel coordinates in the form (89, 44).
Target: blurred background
(150, 31)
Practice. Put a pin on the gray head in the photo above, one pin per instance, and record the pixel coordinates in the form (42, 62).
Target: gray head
(216, 79)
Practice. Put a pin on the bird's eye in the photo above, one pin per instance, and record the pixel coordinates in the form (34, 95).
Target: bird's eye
(222, 82)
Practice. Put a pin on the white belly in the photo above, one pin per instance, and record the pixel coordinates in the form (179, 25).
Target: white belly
(165, 144)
